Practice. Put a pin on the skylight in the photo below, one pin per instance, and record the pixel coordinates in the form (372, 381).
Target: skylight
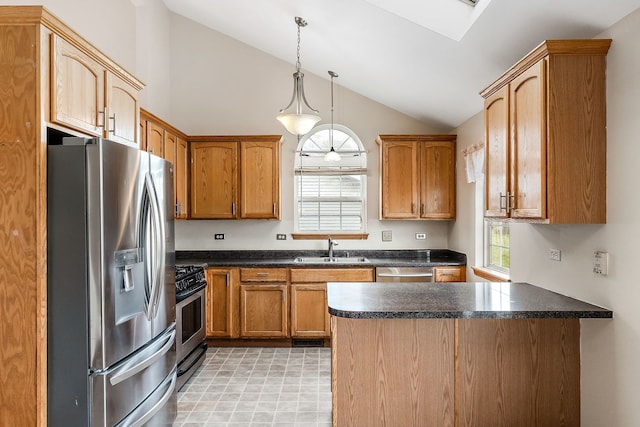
(449, 18)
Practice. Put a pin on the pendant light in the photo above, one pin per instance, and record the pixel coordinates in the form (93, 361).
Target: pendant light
(298, 123)
(332, 155)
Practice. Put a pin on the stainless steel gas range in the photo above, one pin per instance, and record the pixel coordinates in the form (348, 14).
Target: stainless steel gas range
(191, 318)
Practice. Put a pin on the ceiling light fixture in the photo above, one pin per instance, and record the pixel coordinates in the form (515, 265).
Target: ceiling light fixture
(332, 155)
(297, 122)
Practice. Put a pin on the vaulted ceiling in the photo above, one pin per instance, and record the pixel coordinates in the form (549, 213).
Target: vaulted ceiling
(425, 58)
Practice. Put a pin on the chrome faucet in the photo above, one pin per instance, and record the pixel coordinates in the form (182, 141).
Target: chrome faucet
(332, 243)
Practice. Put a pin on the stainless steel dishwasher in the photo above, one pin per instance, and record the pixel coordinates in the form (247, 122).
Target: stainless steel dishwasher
(404, 274)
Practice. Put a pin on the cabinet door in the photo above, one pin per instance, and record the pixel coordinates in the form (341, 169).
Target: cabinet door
(449, 274)
(437, 180)
(260, 180)
(309, 311)
(181, 169)
(222, 302)
(214, 181)
(263, 310)
(143, 134)
(169, 145)
(123, 111)
(528, 144)
(155, 139)
(399, 184)
(496, 119)
(77, 89)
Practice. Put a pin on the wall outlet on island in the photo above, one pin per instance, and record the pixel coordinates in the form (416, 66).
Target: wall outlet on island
(281, 236)
(421, 236)
(218, 236)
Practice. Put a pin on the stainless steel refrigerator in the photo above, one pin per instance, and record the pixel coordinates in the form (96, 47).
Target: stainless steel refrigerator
(111, 286)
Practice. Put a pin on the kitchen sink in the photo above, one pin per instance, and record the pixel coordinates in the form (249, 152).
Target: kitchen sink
(331, 260)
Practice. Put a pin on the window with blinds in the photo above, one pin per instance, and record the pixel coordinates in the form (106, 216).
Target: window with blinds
(330, 196)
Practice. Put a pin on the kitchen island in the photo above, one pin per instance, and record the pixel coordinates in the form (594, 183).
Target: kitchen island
(455, 354)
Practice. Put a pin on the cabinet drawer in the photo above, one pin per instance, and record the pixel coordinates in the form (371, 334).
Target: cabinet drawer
(311, 275)
(449, 274)
(263, 274)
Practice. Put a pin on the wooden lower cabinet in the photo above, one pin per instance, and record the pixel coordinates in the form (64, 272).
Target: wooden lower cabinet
(455, 372)
(264, 302)
(222, 303)
(309, 311)
(263, 310)
(450, 274)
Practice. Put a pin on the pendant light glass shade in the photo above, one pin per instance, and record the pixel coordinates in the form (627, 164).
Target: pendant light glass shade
(332, 155)
(297, 122)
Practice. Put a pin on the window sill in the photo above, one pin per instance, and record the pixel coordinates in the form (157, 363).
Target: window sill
(491, 275)
(341, 236)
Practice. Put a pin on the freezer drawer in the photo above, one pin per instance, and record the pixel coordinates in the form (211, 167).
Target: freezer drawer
(146, 379)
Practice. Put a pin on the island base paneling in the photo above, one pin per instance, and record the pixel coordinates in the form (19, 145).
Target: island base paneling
(455, 372)
(518, 372)
(392, 372)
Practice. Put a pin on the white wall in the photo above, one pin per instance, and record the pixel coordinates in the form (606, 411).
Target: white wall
(109, 25)
(610, 348)
(221, 86)
(153, 60)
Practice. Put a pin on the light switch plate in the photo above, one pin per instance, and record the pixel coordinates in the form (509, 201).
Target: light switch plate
(386, 236)
(555, 254)
(601, 263)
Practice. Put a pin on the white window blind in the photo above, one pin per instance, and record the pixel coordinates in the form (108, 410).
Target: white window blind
(330, 196)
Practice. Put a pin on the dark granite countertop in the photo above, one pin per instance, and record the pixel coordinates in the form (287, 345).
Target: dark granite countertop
(283, 258)
(499, 300)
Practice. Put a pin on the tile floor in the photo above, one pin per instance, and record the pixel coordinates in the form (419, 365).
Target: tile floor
(258, 387)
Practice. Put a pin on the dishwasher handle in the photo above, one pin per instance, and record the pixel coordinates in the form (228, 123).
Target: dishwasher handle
(405, 274)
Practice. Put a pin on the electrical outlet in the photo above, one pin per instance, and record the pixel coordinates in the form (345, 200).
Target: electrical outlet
(386, 236)
(281, 236)
(554, 254)
(421, 236)
(218, 236)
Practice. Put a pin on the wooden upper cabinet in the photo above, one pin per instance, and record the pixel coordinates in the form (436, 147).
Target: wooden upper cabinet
(417, 179)
(162, 139)
(528, 136)
(399, 179)
(155, 139)
(260, 179)
(181, 170)
(77, 88)
(438, 180)
(545, 134)
(88, 97)
(496, 113)
(123, 111)
(214, 180)
(235, 177)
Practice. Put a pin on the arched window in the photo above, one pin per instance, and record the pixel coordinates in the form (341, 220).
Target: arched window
(330, 197)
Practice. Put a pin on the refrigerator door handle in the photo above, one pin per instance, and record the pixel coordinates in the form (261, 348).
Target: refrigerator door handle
(158, 239)
(170, 384)
(134, 366)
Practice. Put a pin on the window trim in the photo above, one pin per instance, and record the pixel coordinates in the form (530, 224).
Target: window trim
(487, 248)
(349, 170)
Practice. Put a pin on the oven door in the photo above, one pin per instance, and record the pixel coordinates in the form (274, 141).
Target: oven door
(190, 323)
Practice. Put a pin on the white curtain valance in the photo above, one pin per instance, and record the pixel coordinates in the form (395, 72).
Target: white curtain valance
(474, 162)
